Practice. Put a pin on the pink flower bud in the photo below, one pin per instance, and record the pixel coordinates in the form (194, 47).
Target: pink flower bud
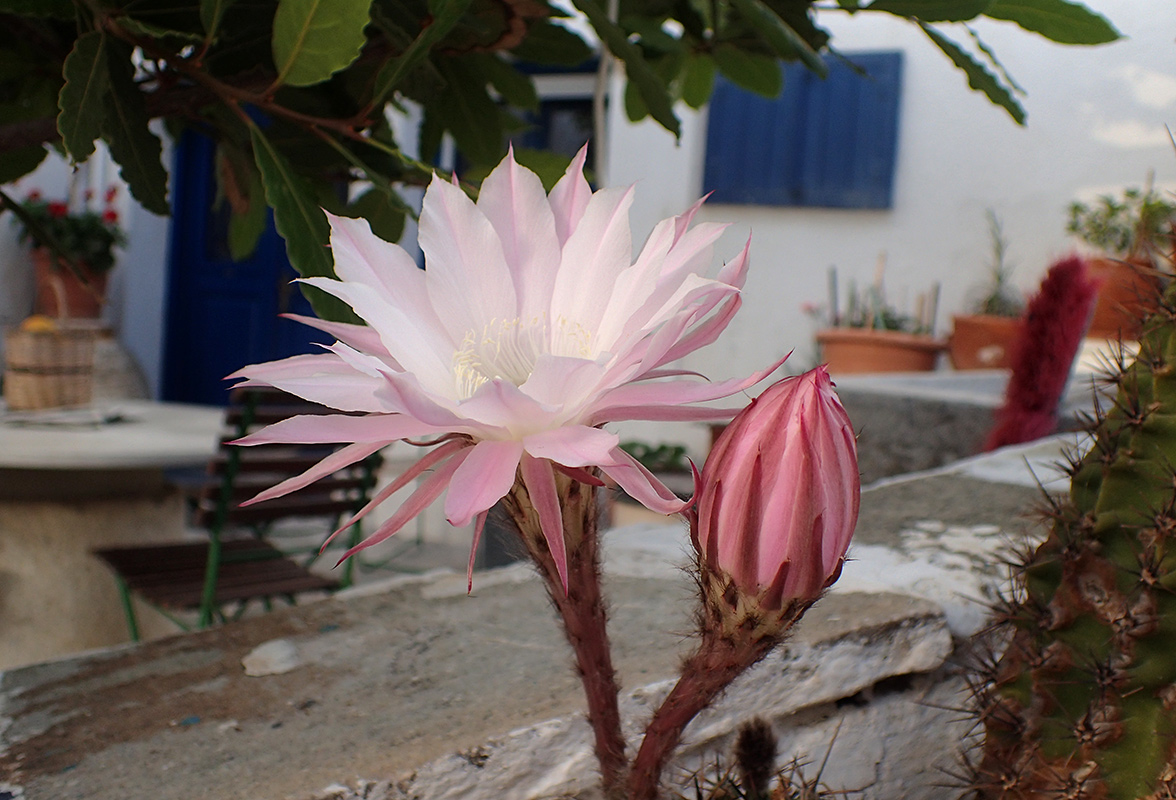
(780, 492)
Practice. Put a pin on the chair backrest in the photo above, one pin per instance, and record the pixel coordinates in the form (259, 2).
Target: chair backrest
(239, 473)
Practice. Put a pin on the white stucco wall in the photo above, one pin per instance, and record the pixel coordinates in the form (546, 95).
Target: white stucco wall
(1096, 121)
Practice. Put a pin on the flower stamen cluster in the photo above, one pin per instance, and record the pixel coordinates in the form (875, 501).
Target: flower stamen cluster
(509, 350)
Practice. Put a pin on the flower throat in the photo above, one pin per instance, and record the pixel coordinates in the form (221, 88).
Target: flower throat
(508, 349)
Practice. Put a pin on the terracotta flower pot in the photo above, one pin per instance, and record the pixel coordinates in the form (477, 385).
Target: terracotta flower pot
(848, 350)
(1127, 295)
(61, 294)
(982, 341)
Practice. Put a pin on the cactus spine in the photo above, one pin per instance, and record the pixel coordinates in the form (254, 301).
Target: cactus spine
(1082, 703)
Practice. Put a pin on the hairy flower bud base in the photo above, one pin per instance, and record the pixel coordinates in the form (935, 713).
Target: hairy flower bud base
(733, 614)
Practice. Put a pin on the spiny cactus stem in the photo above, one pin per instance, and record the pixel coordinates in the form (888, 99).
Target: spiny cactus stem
(584, 615)
(718, 660)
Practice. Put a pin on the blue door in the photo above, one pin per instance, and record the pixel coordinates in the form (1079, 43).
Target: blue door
(222, 314)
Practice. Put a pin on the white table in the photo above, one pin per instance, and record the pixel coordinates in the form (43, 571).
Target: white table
(69, 485)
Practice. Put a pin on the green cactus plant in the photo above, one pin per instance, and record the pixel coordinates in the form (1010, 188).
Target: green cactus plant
(1082, 702)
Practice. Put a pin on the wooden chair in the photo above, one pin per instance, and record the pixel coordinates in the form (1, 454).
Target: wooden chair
(237, 564)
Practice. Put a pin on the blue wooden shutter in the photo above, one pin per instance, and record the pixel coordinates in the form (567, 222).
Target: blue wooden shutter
(829, 143)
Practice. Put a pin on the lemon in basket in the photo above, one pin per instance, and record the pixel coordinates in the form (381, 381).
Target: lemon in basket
(38, 323)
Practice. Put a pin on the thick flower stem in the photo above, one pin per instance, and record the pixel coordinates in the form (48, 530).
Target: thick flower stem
(584, 618)
(718, 661)
(584, 615)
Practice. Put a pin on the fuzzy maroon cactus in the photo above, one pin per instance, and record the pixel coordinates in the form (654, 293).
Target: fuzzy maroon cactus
(1052, 330)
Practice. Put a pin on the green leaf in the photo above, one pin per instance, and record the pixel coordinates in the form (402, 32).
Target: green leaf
(547, 43)
(386, 217)
(211, 14)
(136, 149)
(374, 169)
(785, 41)
(140, 28)
(515, 88)
(431, 133)
(20, 162)
(27, 93)
(57, 9)
(245, 230)
(445, 14)
(239, 184)
(705, 13)
(314, 39)
(83, 97)
(1056, 20)
(996, 63)
(299, 221)
(752, 71)
(932, 10)
(653, 37)
(653, 89)
(467, 111)
(698, 80)
(979, 78)
(635, 108)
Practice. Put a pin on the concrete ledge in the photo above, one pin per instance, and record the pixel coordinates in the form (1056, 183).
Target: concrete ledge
(909, 422)
(412, 689)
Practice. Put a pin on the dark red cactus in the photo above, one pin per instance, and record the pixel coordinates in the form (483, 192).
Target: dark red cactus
(1051, 332)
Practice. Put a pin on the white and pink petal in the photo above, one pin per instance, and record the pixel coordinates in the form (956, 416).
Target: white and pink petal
(319, 378)
(569, 197)
(512, 198)
(573, 445)
(469, 283)
(593, 257)
(484, 478)
(416, 343)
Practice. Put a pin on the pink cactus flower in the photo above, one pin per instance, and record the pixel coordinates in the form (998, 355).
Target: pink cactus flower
(780, 493)
(530, 328)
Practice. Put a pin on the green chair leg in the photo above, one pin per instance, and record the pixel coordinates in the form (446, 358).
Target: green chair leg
(128, 609)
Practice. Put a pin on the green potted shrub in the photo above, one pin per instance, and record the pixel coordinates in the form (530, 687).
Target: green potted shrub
(1133, 234)
(983, 338)
(873, 336)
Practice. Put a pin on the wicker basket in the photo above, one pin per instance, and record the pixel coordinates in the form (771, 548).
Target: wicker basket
(48, 369)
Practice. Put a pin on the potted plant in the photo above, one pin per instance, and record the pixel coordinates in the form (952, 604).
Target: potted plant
(1134, 234)
(72, 253)
(873, 336)
(983, 339)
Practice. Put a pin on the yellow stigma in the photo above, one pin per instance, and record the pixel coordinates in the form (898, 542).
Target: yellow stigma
(508, 349)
